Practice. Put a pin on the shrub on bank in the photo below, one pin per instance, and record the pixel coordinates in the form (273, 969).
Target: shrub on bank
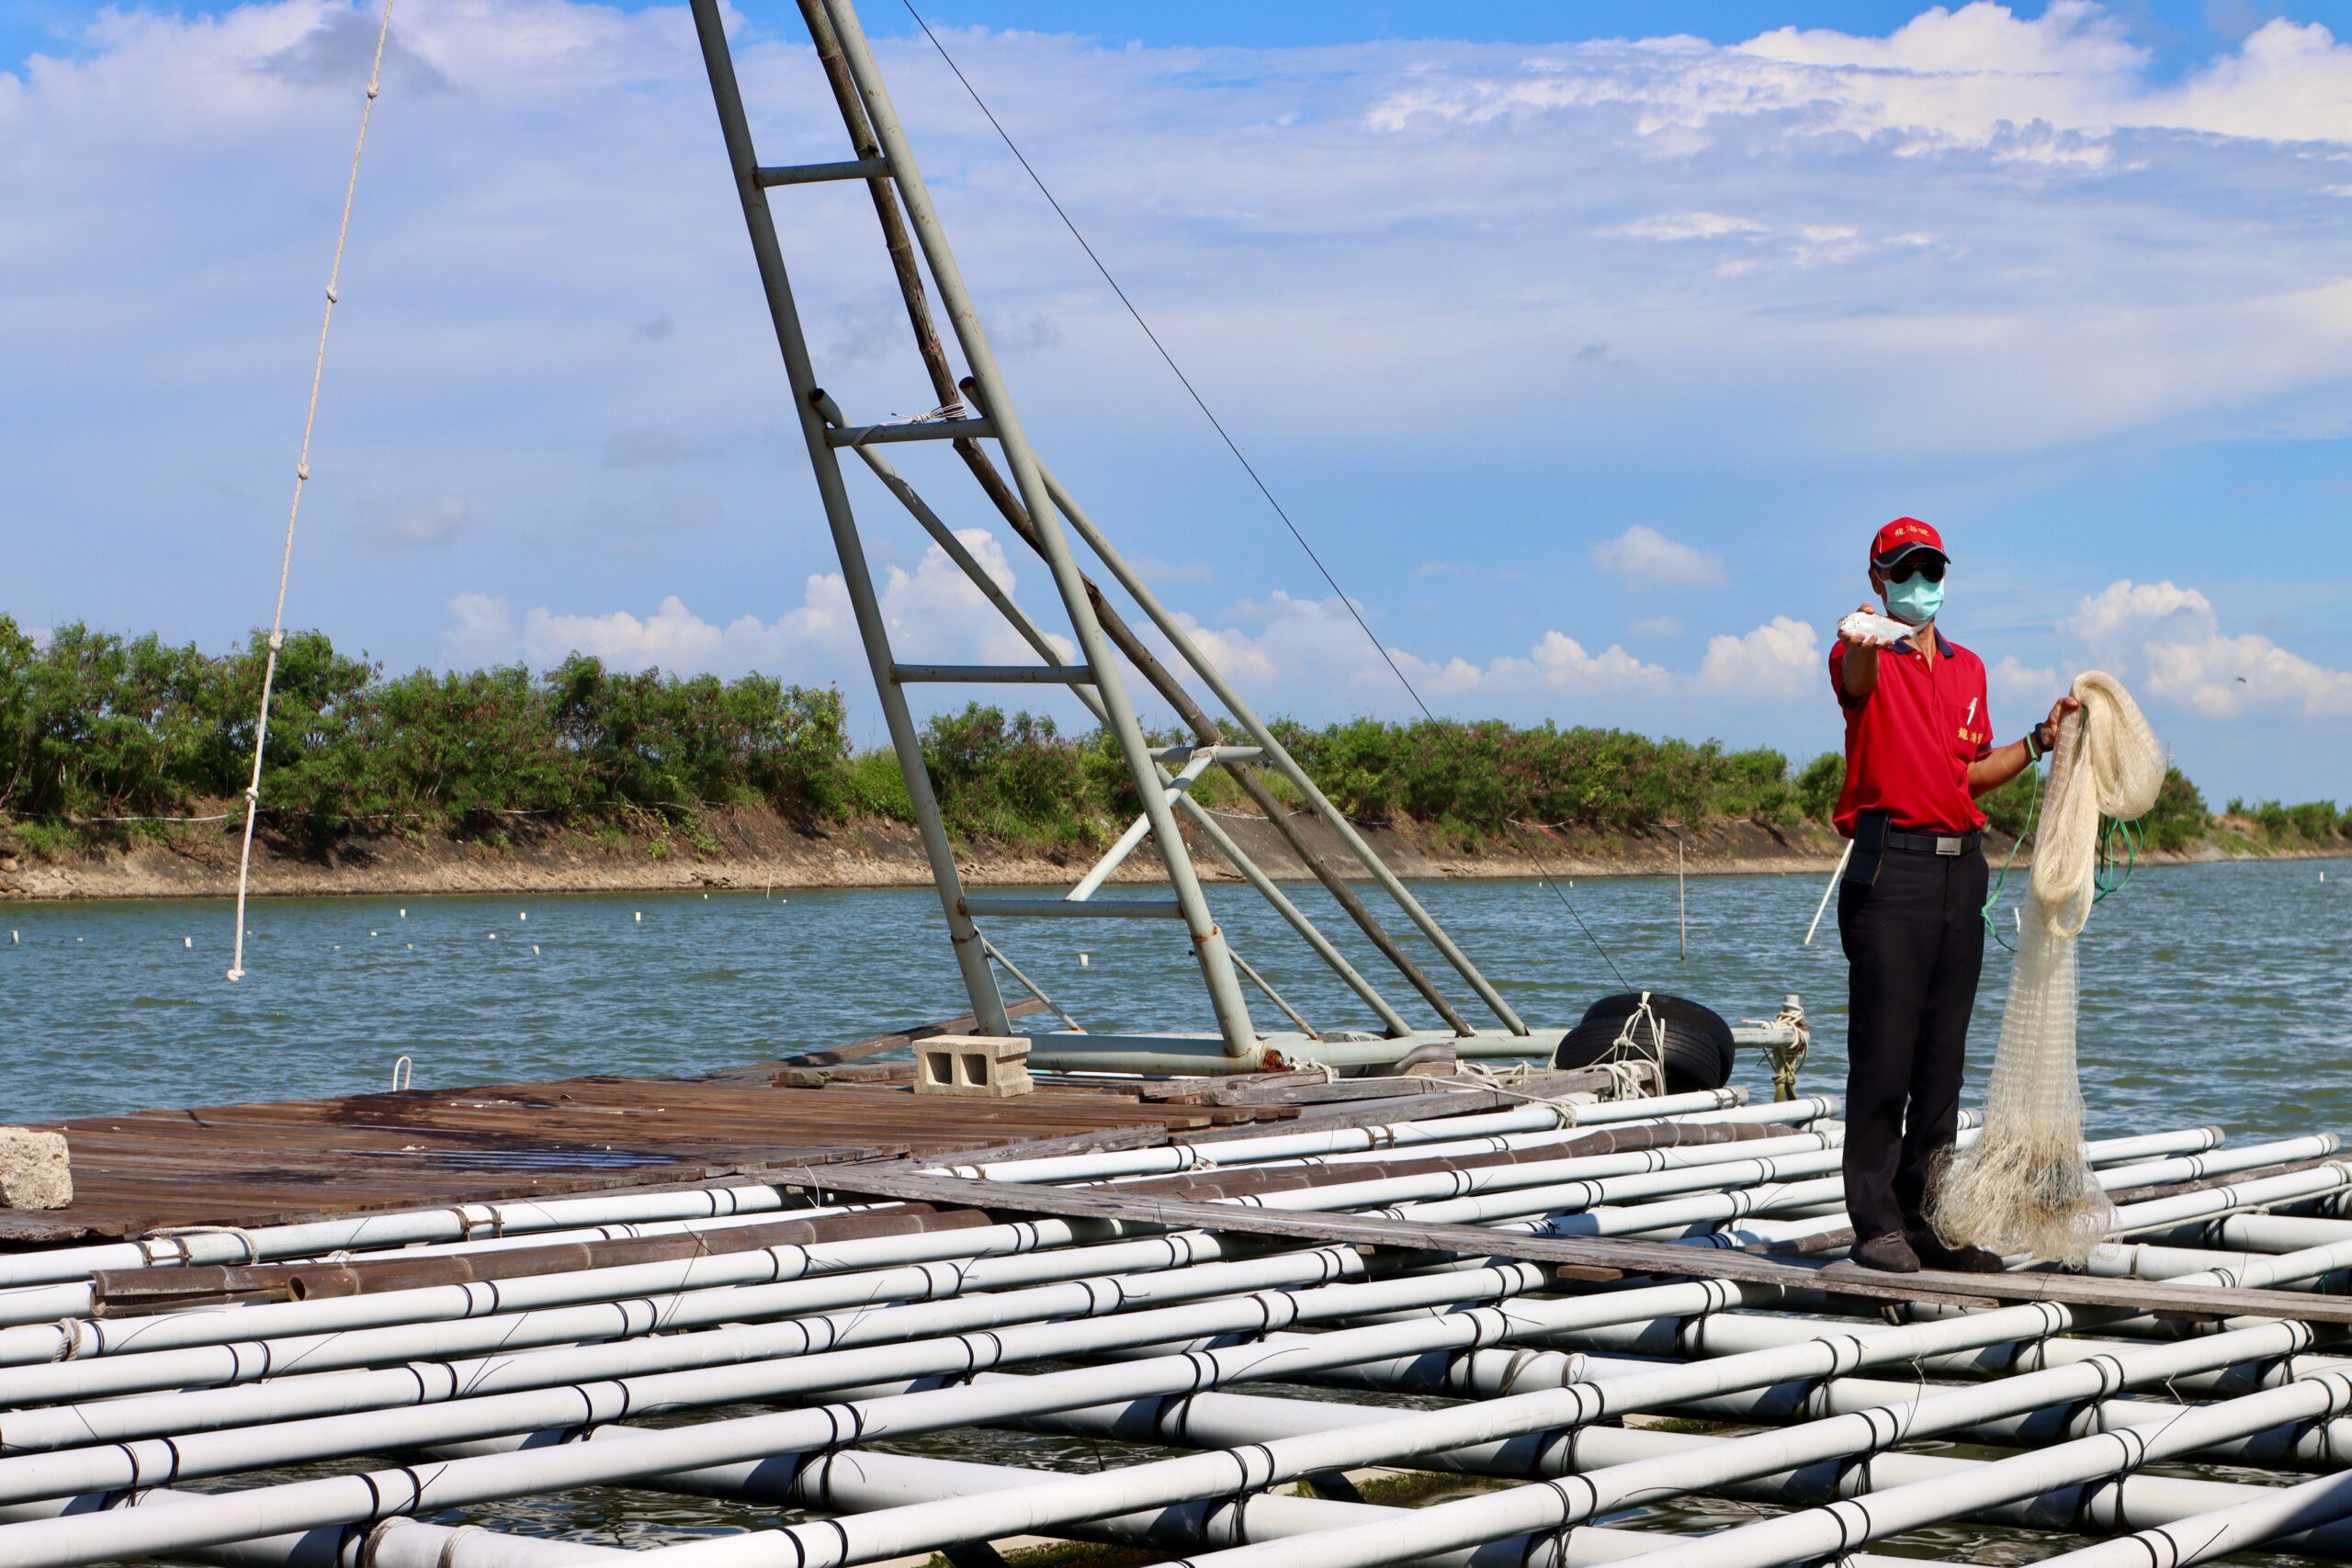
(97, 729)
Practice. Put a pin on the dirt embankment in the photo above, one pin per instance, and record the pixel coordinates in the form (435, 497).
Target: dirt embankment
(759, 847)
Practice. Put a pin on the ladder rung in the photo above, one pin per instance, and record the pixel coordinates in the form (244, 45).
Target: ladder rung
(815, 174)
(1098, 909)
(991, 674)
(1176, 756)
(912, 430)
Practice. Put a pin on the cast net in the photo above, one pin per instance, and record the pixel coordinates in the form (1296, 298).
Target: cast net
(2023, 1187)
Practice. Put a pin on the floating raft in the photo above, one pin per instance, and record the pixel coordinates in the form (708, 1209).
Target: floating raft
(277, 1164)
(1572, 1316)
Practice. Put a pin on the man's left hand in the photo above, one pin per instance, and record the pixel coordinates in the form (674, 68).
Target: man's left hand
(2058, 711)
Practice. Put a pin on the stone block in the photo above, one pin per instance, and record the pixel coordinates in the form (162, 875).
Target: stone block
(975, 1066)
(34, 1173)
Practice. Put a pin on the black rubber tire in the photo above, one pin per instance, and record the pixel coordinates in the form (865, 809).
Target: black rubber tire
(1699, 1049)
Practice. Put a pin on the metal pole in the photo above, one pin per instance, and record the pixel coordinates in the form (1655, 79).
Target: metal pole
(980, 981)
(1275, 997)
(1208, 942)
(1199, 815)
(1030, 986)
(1173, 629)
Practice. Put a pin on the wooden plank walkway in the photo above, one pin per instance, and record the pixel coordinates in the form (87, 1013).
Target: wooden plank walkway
(274, 1164)
(1595, 1257)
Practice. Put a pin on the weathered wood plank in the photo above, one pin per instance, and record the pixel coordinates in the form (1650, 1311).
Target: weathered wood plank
(875, 1045)
(1619, 1255)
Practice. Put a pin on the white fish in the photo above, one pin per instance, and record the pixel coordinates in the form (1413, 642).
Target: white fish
(1881, 629)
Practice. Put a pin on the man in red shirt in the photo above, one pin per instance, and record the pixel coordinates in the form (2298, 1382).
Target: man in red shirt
(1919, 752)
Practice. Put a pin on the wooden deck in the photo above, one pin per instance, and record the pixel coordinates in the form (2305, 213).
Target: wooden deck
(273, 1163)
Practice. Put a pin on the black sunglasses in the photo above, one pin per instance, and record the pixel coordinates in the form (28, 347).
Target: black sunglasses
(1923, 565)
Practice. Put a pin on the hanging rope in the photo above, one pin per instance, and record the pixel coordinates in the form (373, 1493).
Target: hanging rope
(294, 512)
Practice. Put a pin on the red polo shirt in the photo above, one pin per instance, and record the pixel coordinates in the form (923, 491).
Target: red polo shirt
(1909, 742)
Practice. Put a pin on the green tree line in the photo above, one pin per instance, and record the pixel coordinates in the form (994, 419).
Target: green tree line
(101, 736)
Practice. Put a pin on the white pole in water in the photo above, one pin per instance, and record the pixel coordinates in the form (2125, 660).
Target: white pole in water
(1681, 899)
(1835, 877)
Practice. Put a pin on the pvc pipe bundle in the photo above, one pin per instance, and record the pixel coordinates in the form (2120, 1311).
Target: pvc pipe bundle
(1121, 1330)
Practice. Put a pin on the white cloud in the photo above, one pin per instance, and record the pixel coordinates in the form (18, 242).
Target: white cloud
(1645, 555)
(2015, 685)
(1780, 659)
(935, 614)
(1310, 645)
(1673, 225)
(433, 520)
(480, 631)
(2170, 639)
(1561, 660)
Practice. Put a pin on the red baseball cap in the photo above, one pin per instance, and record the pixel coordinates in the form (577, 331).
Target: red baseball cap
(1904, 536)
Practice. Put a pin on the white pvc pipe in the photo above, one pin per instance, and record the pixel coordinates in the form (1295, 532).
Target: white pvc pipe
(360, 1498)
(1159, 1267)
(2285, 1511)
(395, 1228)
(1792, 1537)
(1533, 1509)
(1170, 1159)
(870, 1537)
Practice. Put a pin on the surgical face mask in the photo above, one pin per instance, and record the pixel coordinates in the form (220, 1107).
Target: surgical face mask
(1914, 600)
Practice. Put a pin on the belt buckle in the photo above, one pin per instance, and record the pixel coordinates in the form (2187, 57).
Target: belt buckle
(1947, 846)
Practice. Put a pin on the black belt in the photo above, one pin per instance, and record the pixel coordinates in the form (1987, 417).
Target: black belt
(1936, 843)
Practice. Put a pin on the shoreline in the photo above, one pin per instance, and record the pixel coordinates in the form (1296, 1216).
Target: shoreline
(746, 850)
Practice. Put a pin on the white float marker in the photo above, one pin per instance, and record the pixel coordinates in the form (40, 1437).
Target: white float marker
(522, 914)
(640, 917)
(187, 942)
(1083, 959)
(534, 950)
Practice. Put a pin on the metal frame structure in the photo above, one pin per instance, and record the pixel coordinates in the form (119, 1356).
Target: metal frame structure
(980, 409)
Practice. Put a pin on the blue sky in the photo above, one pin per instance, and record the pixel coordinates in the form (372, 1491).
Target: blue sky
(1589, 343)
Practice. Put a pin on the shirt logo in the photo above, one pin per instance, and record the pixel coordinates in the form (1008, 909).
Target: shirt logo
(1971, 713)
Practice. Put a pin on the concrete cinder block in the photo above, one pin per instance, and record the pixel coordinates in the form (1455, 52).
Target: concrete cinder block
(34, 1172)
(975, 1066)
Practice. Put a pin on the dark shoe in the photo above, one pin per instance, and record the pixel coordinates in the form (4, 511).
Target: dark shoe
(1934, 1254)
(1889, 1254)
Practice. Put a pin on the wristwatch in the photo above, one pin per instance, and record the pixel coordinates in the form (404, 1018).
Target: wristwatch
(2036, 745)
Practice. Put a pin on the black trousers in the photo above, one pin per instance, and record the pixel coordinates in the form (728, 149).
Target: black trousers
(1915, 946)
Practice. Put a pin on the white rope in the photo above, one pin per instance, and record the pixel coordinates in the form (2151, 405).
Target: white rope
(179, 1234)
(294, 512)
(1500, 1083)
(1627, 1054)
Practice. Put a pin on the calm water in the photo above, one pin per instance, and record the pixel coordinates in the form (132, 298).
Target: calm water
(2211, 994)
(2215, 993)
